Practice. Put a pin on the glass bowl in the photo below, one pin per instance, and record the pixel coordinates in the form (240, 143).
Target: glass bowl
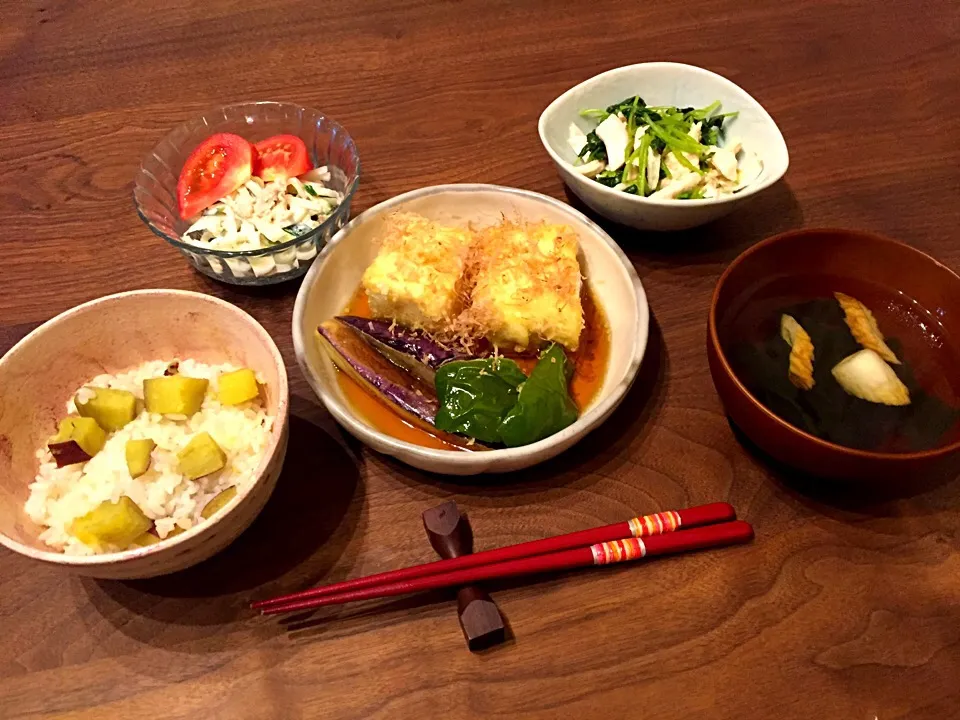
(155, 188)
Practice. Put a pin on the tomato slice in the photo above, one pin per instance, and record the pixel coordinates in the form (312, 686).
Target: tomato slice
(220, 164)
(281, 157)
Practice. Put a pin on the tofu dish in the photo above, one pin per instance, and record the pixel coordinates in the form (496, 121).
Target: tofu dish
(663, 153)
(467, 338)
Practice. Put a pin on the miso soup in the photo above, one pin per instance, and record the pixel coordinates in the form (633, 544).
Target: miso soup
(924, 359)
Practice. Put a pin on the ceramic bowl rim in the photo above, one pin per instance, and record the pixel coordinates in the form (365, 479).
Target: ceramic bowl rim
(258, 252)
(748, 191)
(276, 433)
(488, 459)
(714, 339)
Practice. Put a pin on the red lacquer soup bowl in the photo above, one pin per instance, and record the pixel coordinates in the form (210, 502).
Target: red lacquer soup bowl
(916, 301)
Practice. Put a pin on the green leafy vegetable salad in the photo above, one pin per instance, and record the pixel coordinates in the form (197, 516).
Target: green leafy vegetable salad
(667, 153)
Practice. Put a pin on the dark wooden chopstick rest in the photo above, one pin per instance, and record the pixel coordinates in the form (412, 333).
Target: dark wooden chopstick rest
(450, 535)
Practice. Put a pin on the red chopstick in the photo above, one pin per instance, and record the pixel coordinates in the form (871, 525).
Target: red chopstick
(645, 526)
(632, 548)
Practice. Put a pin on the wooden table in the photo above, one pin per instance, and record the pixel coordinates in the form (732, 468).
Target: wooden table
(846, 606)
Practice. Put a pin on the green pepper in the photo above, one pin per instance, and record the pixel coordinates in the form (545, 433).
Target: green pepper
(475, 395)
(544, 405)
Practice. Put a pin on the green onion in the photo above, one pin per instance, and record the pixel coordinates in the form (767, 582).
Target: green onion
(310, 190)
(704, 113)
(631, 128)
(681, 158)
(644, 156)
(679, 145)
(675, 121)
(598, 113)
(684, 143)
(695, 194)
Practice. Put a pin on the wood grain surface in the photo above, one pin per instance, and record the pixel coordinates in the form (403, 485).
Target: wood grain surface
(846, 606)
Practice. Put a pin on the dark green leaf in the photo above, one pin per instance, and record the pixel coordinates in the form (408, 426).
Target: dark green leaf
(627, 106)
(310, 190)
(544, 406)
(710, 134)
(610, 178)
(594, 149)
(475, 395)
(695, 194)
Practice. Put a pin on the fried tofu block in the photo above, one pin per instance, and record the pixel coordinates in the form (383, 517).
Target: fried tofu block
(527, 286)
(416, 277)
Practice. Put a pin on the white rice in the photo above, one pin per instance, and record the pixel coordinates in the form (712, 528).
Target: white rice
(60, 495)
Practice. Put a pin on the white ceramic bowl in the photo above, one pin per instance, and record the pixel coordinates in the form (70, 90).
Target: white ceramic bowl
(335, 277)
(662, 83)
(111, 334)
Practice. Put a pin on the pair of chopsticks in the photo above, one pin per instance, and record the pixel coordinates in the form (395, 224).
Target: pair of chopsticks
(665, 533)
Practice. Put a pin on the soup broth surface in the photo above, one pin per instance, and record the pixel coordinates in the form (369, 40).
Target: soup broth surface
(751, 341)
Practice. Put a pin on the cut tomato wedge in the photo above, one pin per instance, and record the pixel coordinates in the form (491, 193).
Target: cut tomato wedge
(220, 164)
(281, 157)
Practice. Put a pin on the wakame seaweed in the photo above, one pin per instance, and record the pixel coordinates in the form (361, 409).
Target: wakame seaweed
(827, 411)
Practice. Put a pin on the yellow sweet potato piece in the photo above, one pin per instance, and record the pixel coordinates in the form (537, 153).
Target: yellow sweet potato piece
(117, 524)
(201, 456)
(237, 387)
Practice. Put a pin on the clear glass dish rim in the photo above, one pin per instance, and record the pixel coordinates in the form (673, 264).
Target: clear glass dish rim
(293, 242)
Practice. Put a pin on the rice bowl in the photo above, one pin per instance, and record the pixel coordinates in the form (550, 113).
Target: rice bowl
(113, 335)
(171, 500)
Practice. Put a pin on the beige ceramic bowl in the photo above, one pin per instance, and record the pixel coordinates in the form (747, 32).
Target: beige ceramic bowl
(109, 335)
(335, 277)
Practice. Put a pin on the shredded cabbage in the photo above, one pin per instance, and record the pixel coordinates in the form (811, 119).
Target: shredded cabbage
(260, 214)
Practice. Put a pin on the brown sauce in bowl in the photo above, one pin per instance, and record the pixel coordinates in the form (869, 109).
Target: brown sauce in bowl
(589, 362)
